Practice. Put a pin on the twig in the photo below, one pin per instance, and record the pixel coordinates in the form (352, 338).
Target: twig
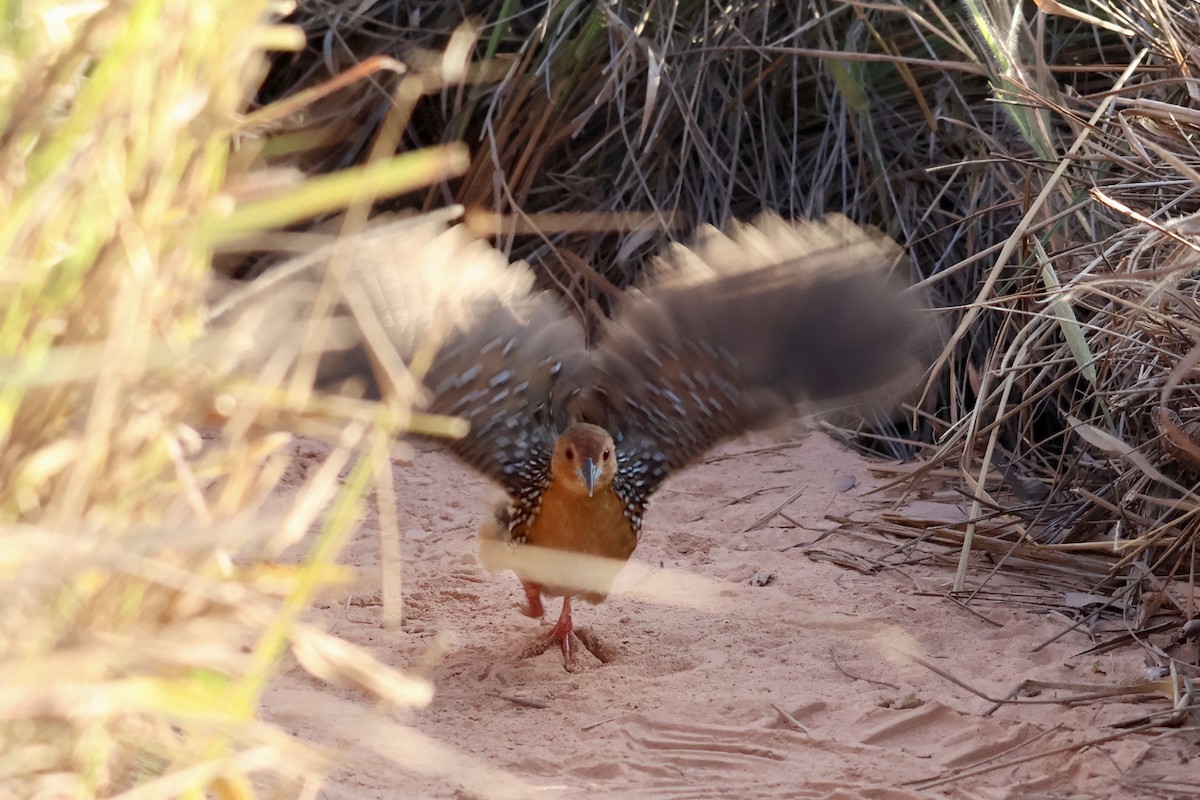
(520, 701)
(733, 500)
(1078, 624)
(597, 724)
(775, 448)
(795, 723)
(929, 783)
(1079, 698)
(763, 519)
(837, 663)
(970, 610)
(968, 767)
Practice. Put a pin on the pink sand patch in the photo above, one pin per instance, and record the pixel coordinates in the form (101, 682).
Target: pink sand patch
(703, 697)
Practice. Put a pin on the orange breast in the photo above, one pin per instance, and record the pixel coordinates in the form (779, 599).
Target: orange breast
(590, 525)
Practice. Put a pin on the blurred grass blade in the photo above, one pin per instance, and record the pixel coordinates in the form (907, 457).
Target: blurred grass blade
(403, 173)
(1067, 321)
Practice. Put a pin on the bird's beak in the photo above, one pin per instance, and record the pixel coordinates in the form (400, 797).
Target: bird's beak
(590, 472)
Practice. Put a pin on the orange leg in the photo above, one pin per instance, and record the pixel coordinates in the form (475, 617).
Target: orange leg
(562, 633)
(533, 600)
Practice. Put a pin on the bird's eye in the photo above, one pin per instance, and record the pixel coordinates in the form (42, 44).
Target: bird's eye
(570, 454)
(604, 455)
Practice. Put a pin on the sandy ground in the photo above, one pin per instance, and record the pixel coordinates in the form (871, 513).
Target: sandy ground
(776, 675)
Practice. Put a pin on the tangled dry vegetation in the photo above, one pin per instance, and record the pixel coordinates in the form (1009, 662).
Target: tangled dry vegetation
(144, 611)
(1041, 167)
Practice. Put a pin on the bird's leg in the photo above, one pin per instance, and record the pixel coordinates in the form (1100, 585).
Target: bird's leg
(562, 633)
(566, 636)
(533, 600)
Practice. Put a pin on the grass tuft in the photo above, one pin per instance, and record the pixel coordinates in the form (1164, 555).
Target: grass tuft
(148, 600)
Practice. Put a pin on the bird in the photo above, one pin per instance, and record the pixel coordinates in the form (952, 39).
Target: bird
(732, 332)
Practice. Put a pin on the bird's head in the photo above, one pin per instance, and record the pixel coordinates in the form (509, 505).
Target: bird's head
(585, 458)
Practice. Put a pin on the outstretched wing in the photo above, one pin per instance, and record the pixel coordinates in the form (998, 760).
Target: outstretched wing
(510, 375)
(735, 331)
(428, 300)
(486, 345)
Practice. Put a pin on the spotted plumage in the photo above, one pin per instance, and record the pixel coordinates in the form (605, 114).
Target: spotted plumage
(728, 335)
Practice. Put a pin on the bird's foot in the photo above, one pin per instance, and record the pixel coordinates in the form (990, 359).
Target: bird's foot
(562, 636)
(533, 600)
(568, 638)
(563, 633)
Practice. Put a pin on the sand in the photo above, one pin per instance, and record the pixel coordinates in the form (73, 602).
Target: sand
(779, 673)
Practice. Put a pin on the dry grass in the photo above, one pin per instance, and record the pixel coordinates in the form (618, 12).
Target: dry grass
(144, 609)
(1040, 168)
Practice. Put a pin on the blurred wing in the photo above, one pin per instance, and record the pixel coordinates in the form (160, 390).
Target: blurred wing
(510, 375)
(735, 331)
(429, 300)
